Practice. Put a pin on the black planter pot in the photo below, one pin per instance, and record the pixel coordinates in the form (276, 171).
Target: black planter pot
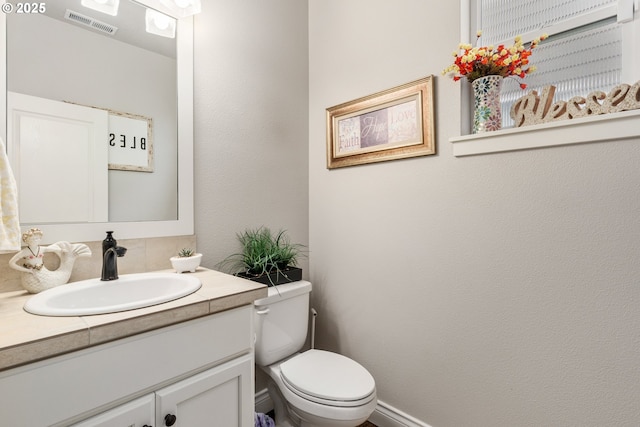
(289, 274)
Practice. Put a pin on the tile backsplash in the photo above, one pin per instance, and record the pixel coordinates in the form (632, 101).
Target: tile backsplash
(142, 255)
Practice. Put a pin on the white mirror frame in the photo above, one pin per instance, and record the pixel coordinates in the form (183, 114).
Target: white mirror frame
(87, 232)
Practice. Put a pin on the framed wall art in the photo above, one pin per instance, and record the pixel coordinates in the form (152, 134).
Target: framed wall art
(393, 124)
(130, 142)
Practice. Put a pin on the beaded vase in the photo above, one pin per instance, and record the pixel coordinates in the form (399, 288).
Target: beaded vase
(487, 113)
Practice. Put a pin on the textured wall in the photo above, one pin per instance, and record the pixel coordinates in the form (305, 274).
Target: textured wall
(495, 290)
(251, 115)
(251, 124)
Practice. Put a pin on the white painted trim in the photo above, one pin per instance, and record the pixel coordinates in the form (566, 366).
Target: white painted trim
(384, 416)
(263, 401)
(607, 127)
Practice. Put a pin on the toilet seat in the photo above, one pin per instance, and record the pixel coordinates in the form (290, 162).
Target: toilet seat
(328, 378)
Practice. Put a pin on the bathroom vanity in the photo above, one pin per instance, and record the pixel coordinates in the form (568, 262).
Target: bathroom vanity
(187, 362)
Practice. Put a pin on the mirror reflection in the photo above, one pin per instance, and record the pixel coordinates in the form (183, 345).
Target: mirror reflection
(125, 72)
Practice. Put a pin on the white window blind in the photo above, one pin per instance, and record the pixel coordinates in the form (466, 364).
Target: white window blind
(504, 19)
(585, 51)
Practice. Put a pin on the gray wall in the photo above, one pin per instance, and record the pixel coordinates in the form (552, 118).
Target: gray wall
(251, 122)
(495, 290)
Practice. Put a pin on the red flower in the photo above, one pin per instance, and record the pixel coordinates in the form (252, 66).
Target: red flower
(475, 62)
(523, 85)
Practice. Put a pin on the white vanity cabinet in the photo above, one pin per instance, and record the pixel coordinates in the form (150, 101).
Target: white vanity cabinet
(213, 397)
(137, 413)
(200, 371)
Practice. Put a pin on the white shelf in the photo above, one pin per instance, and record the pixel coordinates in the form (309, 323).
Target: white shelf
(606, 127)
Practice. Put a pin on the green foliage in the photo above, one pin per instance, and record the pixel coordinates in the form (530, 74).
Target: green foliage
(185, 253)
(263, 252)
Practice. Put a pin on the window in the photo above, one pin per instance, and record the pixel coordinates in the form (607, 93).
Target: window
(590, 47)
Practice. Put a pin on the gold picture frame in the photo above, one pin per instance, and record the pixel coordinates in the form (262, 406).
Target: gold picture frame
(393, 124)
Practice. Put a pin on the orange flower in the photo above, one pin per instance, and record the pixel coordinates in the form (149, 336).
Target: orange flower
(475, 62)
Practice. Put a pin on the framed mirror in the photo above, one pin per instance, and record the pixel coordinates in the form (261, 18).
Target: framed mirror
(179, 219)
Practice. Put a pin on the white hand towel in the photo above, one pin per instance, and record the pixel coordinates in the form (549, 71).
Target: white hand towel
(10, 225)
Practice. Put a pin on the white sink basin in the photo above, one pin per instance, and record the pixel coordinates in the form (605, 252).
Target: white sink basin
(129, 292)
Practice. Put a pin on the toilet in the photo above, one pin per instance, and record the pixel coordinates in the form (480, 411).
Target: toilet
(314, 388)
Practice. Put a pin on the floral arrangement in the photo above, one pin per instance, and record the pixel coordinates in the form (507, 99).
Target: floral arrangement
(506, 61)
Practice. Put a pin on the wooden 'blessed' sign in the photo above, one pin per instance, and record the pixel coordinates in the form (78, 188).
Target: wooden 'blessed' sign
(534, 109)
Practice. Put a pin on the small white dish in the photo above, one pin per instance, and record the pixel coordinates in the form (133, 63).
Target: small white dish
(183, 264)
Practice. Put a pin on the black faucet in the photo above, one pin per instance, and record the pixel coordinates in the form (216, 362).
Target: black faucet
(110, 253)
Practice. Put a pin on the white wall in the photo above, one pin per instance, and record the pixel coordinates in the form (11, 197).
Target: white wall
(495, 290)
(251, 122)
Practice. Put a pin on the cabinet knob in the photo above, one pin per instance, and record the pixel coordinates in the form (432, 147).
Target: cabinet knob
(147, 425)
(169, 420)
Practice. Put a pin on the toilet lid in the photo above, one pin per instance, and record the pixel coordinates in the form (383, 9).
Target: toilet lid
(327, 375)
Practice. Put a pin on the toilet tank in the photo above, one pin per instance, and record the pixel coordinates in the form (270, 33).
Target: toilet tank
(281, 321)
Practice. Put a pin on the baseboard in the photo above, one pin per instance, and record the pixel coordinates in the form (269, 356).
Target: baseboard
(387, 416)
(384, 416)
(263, 401)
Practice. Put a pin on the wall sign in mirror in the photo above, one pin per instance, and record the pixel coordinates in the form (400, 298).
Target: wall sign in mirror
(130, 142)
(393, 124)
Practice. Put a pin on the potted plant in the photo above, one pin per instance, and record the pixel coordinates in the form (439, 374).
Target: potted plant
(266, 258)
(186, 260)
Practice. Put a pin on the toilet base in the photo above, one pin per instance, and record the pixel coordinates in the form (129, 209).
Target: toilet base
(282, 417)
(289, 416)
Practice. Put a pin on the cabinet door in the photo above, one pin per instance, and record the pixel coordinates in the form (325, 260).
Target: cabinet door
(219, 397)
(137, 413)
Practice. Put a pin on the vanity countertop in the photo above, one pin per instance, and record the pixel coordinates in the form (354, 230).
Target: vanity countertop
(26, 338)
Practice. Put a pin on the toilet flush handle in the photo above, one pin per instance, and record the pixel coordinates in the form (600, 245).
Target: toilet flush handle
(263, 311)
(314, 313)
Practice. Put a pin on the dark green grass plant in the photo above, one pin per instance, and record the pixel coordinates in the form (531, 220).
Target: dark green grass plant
(263, 253)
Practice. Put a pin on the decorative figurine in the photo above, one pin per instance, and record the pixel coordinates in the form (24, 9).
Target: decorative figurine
(35, 276)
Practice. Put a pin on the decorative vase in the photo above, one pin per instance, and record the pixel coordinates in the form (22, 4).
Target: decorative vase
(487, 113)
